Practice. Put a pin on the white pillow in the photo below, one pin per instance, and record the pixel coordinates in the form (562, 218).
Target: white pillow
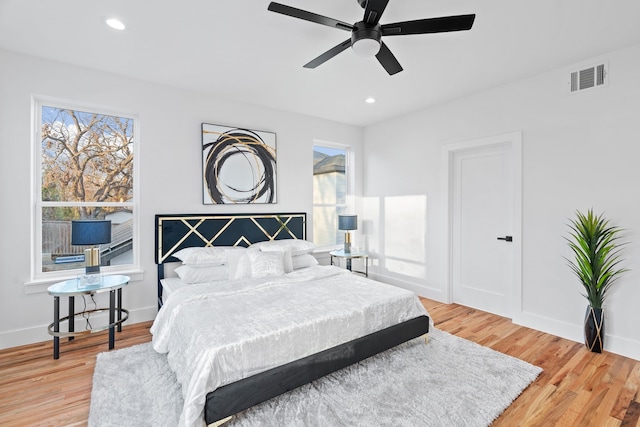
(190, 274)
(303, 261)
(266, 264)
(295, 246)
(205, 256)
(239, 265)
(287, 261)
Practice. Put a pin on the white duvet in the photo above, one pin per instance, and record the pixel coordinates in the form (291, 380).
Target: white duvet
(220, 332)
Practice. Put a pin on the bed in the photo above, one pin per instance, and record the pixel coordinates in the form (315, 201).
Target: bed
(236, 343)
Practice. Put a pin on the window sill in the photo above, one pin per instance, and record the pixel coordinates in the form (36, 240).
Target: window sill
(38, 286)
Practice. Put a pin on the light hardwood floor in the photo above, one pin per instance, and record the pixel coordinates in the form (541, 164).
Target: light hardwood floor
(577, 388)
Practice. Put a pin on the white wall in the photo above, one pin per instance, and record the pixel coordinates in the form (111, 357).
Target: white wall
(579, 151)
(170, 169)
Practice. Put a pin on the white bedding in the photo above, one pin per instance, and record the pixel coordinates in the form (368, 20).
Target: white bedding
(221, 332)
(170, 285)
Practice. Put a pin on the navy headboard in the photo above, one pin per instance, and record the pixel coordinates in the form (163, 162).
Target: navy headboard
(178, 231)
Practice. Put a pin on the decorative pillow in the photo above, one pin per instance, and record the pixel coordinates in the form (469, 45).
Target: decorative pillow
(206, 256)
(287, 261)
(303, 261)
(266, 264)
(295, 246)
(239, 265)
(190, 274)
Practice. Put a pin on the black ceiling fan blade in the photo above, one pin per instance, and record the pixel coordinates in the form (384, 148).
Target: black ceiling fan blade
(308, 16)
(328, 54)
(373, 11)
(388, 61)
(429, 25)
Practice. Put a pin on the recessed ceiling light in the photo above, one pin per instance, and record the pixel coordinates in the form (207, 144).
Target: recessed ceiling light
(116, 24)
(370, 100)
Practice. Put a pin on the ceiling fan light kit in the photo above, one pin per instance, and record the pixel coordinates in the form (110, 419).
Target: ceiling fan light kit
(365, 41)
(366, 35)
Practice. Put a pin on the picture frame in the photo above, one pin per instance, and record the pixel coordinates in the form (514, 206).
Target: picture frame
(238, 165)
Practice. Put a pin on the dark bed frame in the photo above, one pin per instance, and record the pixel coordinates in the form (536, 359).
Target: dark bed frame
(175, 232)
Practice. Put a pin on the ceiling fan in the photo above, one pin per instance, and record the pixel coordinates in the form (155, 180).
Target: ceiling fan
(366, 35)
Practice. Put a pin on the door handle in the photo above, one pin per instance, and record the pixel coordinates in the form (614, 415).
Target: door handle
(506, 238)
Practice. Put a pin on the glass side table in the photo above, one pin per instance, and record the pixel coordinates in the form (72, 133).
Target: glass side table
(348, 256)
(87, 285)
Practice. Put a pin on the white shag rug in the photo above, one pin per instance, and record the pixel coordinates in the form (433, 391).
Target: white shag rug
(448, 382)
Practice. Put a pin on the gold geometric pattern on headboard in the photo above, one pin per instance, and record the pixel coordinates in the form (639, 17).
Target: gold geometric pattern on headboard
(174, 232)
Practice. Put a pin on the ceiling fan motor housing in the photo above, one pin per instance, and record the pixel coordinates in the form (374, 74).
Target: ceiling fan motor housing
(362, 32)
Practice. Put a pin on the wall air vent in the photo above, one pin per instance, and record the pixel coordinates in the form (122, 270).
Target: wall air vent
(589, 78)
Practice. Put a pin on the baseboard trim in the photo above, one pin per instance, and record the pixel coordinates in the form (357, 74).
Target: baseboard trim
(37, 334)
(419, 288)
(575, 332)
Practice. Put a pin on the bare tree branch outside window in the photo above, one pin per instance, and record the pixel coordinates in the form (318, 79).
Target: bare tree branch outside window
(87, 162)
(86, 157)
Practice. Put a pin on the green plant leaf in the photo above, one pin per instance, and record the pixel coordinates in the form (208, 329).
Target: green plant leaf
(596, 248)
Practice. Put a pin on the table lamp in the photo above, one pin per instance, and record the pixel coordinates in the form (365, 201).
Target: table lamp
(346, 223)
(89, 232)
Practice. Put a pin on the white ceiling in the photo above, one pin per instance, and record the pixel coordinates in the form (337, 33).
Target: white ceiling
(236, 49)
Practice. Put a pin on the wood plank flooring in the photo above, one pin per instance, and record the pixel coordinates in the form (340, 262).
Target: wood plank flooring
(36, 390)
(577, 387)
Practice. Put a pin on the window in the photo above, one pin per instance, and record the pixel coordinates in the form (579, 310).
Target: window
(330, 193)
(85, 167)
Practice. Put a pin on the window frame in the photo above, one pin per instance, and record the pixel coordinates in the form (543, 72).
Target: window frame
(349, 183)
(37, 275)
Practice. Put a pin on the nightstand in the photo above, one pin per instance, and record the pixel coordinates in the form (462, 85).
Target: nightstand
(348, 256)
(87, 285)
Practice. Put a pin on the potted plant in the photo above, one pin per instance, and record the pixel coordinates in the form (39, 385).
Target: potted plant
(596, 248)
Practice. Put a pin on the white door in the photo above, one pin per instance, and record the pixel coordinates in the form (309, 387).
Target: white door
(483, 235)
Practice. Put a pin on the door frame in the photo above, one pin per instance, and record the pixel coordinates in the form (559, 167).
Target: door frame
(514, 140)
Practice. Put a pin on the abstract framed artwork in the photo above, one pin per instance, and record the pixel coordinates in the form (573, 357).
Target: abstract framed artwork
(238, 165)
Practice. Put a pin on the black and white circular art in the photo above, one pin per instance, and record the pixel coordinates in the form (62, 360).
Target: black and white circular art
(239, 165)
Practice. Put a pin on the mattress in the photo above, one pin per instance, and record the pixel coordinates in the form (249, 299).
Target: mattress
(220, 332)
(171, 284)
